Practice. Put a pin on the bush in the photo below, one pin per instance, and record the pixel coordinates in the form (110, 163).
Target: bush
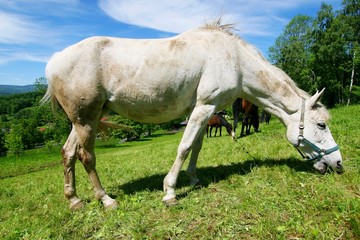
(14, 144)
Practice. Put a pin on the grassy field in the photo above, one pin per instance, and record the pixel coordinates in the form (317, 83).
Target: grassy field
(256, 188)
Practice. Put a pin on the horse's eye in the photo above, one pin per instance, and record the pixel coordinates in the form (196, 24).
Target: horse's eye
(321, 125)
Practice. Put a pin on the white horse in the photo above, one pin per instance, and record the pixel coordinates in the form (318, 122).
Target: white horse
(200, 72)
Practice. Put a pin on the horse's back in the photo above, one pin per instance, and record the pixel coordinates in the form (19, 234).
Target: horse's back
(145, 80)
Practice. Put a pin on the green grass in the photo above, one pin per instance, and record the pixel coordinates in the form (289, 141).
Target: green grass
(256, 188)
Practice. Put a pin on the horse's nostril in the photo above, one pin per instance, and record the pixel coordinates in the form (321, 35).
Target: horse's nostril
(339, 169)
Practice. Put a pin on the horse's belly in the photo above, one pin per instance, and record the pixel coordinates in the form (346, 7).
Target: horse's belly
(152, 109)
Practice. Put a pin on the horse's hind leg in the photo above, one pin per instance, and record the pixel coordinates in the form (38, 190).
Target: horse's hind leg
(86, 139)
(69, 158)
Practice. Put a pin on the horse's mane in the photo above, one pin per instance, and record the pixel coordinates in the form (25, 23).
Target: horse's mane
(217, 24)
(229, 28)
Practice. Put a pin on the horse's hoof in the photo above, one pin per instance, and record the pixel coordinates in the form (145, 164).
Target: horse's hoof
(197, 185)
(112, 206)
(171, 202)
(78, 204)
(109, 203)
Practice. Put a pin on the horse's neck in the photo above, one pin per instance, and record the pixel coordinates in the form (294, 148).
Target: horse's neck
(224, 122)
(274, 91)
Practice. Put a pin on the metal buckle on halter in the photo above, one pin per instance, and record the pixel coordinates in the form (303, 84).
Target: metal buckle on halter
(322, 152)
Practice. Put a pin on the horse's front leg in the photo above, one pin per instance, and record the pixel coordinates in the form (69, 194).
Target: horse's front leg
(191, 170)
(243, 126)
(248, 125)
(193, 130)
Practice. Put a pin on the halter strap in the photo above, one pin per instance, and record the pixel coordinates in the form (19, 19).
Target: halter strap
(304, 141)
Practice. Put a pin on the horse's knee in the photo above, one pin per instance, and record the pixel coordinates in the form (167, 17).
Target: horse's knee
(87, 159)
(69, 172)
(184, 150)
(68, 156)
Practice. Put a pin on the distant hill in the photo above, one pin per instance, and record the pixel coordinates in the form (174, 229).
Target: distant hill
(11, 89)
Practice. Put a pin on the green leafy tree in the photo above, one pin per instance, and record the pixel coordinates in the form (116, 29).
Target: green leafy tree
(323, 52)
(13, 143)
(134, 130)
(41, 85)
(350, 15)
(3, 149)
(55, 126)
(291, 51)
(28, 132)
(330, 54)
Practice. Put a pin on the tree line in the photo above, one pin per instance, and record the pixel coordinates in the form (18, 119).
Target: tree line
(323, 52)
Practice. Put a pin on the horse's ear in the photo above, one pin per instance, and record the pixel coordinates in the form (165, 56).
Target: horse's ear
(315, 98)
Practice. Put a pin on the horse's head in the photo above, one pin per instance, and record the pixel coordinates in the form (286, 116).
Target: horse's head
(310, 134)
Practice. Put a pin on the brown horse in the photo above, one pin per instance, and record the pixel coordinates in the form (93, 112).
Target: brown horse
(250, 112)
(218, 121)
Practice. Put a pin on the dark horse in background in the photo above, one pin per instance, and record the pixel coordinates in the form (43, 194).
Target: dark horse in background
(251, 115)
(218, 121)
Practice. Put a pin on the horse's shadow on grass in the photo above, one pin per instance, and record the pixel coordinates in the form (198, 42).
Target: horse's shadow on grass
(210, 175)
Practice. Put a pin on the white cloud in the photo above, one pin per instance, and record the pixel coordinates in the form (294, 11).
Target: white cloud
(170, 16)
(17, 29)
(26, 34)
(253, 18)
(21, 55)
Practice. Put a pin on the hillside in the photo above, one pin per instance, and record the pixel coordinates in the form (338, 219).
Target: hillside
(11, 89)
(255, 188)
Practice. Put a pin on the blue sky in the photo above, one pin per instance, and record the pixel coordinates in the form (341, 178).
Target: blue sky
(32, 30)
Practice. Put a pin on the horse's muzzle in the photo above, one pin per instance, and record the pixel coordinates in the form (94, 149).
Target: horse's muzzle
(323, 167)
(339, 168)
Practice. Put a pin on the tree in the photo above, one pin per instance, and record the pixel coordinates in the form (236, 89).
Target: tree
(2, 143)
(41, 84)
(351, 16)
(134, 130)
(291, 51)
(27, 131)
(13, 143)
(323, 52)
(330, 58)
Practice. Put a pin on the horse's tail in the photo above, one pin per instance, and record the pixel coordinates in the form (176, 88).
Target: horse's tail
(49, 95)
(104, 128)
